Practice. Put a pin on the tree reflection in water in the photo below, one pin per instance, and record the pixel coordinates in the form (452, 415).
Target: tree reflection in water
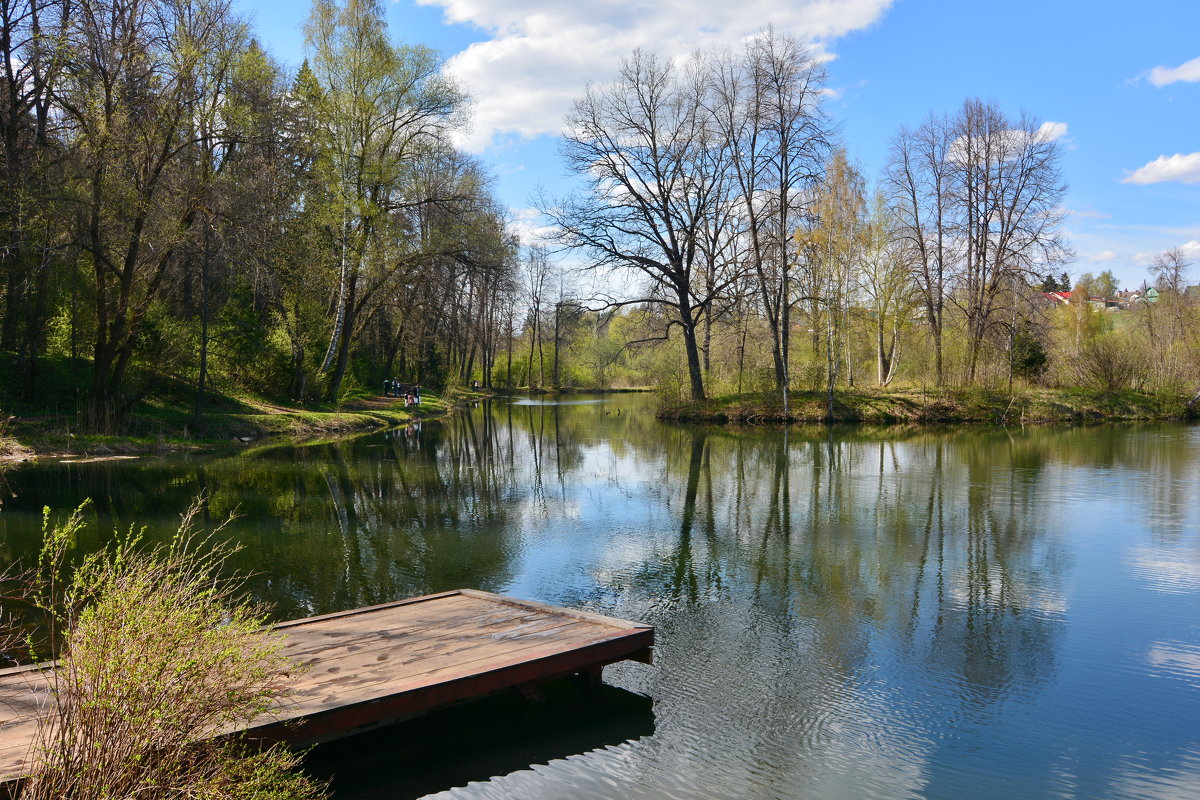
(840, 611)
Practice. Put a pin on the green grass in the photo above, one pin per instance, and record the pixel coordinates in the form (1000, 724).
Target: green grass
(50, 422)
(906, 406)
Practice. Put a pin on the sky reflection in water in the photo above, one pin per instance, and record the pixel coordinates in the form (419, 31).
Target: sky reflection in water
(847, 613)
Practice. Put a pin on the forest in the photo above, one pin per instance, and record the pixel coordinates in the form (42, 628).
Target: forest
(185, 220)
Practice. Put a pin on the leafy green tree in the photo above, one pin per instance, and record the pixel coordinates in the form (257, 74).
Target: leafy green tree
(381, 107)
(128, 98)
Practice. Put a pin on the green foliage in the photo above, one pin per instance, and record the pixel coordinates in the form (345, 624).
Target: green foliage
(157, 658)
(1029, 355)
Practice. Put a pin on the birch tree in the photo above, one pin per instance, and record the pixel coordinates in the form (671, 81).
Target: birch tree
(382, 106)
(884, 278)
(830, 250)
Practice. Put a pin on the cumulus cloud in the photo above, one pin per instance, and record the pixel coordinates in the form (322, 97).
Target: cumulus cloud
(1014, 141)
(1105, 255)
(1179, 167)
(1053, 130)
(1191, 250)
(1187, 72)
(539, 55)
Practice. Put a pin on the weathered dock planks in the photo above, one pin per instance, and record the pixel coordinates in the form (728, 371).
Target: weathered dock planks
(370, 666)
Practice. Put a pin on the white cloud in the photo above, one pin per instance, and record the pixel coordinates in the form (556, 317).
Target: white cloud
(1166, 570)
(540, 54)
(1105, 255)
(1177, 658)
(1014, 140)
(1053, 130)
(1188, 72)
(508, 169)
(1179, 167)
(1191, 250)
(530, 226)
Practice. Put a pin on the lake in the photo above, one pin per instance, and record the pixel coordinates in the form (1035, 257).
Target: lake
(840, 613)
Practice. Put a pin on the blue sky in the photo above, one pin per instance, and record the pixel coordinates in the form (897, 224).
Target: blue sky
(1132, 133)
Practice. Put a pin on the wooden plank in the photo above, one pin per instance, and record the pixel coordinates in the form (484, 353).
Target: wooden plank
(371, 668)
(373, 677)
(369, 665)
(534, 666)
(330, 646)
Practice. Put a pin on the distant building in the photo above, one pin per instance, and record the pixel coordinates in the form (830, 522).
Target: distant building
(1057, 298)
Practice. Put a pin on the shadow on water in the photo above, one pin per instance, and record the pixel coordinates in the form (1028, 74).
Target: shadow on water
(481, 740)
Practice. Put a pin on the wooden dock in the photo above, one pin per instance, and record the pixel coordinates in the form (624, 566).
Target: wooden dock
(375, 665)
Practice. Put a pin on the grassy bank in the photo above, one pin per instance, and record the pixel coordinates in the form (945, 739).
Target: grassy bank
(230, 422)
(909, 406)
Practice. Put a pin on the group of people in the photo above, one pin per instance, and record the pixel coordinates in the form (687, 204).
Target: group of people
(411, 395)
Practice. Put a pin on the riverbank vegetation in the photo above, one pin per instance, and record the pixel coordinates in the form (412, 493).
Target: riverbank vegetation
(185, 220)
(199, 244)
(157, 656)
(900, 406)
(761, 262)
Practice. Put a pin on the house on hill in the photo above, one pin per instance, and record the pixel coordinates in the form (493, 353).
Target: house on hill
(1057, 298)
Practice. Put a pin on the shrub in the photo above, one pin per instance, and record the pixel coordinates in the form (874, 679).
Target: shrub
(158, 657)
(1108, 364)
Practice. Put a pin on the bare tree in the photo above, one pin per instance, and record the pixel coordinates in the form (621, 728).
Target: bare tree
(1007, 191)
(918, 182)
(536, 276)
(979, 204)
(767, 107)
(1170, 271)
(651, 163)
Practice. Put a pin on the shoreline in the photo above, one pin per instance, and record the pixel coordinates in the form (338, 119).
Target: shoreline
(28, 439)
(24, 439)
(940, 407)
(31, 438)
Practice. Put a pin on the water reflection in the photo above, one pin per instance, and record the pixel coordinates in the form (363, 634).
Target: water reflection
(857, 612)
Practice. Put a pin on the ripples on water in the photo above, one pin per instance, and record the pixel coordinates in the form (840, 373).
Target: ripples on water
(840, 614)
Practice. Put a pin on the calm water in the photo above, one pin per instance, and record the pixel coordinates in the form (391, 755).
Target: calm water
(845, 614)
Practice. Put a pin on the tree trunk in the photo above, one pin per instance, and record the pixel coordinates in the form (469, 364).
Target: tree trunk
(508, 378)
(939, 374)
(343, 351)
(695, 374)
(557, 333)
(533, 336)
(203, 375)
